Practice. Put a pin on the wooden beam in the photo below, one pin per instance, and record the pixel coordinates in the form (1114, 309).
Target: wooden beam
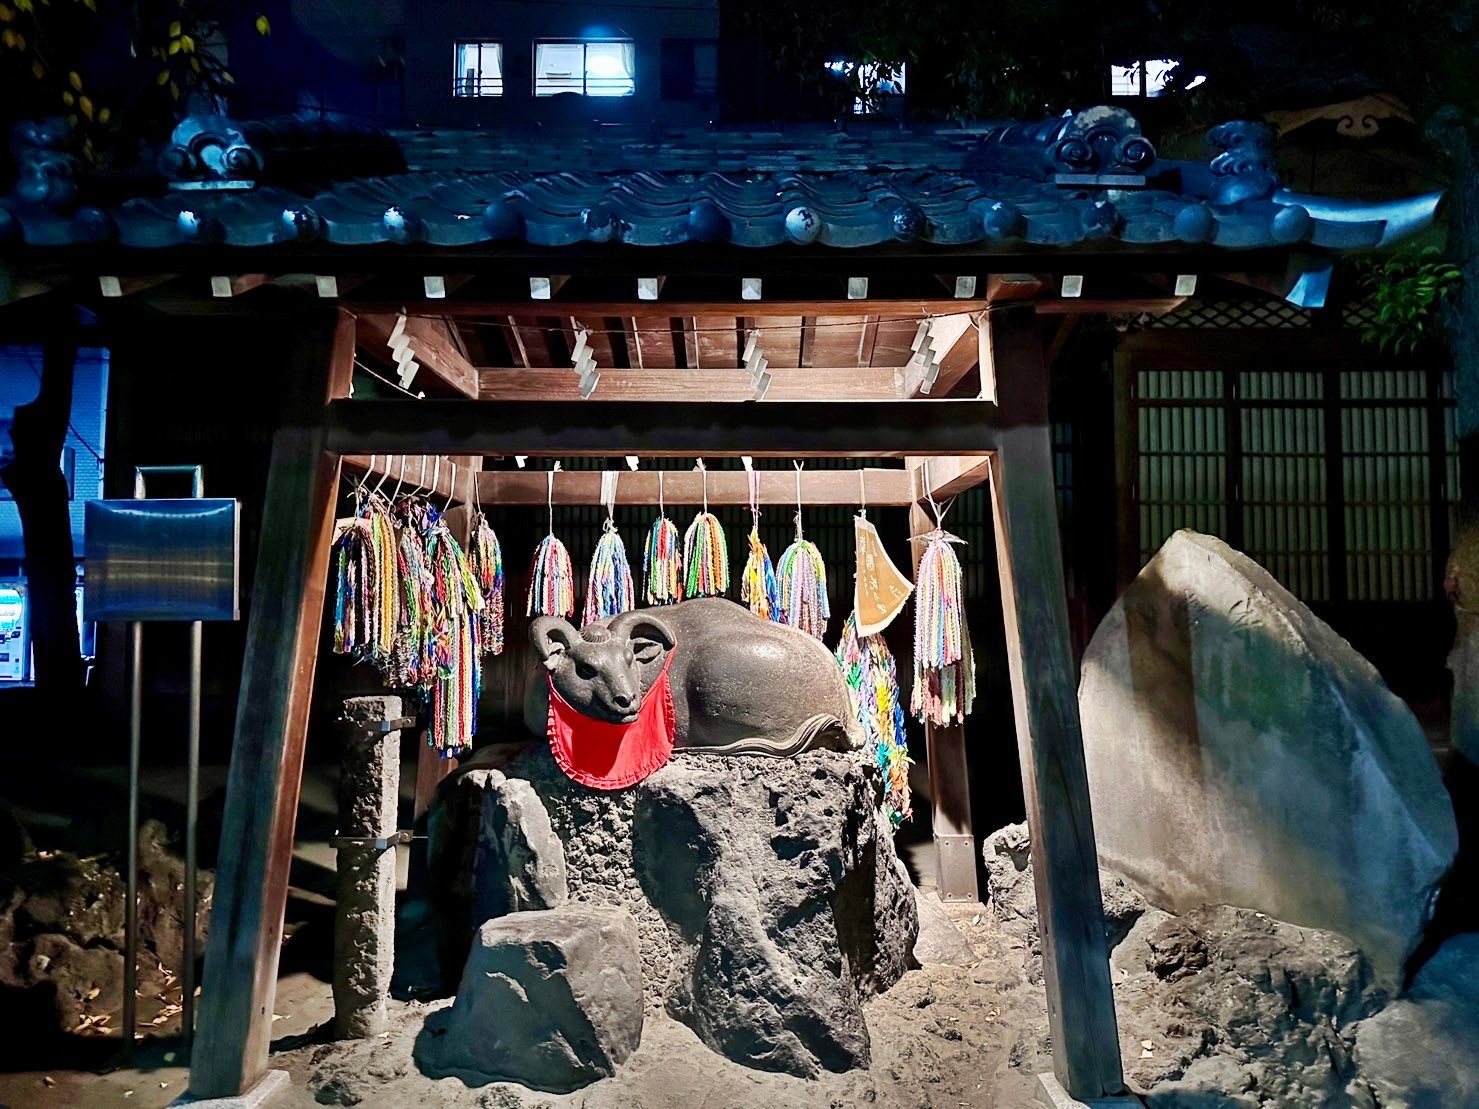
(1004, 287)
(950, 781)
(578, 487)
(1065, 864)
(115, 286)
(286, 608)
(442, 477)
(889, 308)
(1109, 306)
(953, 341)
(692, 386)
(224, 286)
(798, 429)
(429, 341)
(947, 477)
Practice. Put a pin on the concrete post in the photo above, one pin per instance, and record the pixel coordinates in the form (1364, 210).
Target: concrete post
(364, 912)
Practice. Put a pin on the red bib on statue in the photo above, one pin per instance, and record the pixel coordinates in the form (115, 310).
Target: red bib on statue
(602, 755)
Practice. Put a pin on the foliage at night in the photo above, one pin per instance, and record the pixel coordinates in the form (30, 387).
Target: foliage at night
(118, 72)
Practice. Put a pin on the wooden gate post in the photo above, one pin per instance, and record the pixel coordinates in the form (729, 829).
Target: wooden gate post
(286, 609)
(950, 780)
(1065, 864)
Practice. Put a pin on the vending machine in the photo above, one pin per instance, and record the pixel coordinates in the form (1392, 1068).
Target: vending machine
(15, 633)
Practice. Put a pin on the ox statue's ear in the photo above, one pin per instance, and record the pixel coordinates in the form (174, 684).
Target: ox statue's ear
(552, 636)
(649, 636)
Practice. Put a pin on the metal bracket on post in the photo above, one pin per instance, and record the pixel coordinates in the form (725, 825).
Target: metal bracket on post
(355, 731)
(382, 844)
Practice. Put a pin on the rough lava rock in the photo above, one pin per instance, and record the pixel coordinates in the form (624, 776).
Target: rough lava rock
(1227, 1007)
(766, 892)
(520, 863)
(1012, 900)
(550, 998)
(1422, 1052)
(61, 939)
(1240, 752)
(939, 942)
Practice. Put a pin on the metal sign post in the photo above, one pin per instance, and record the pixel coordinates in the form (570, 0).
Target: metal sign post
(170, 560)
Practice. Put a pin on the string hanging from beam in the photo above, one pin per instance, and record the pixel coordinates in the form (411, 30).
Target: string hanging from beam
(705, 551)
(662, 563)
(456, 603)
(759, 586)
(552, 583)
(944, 666)
(803, 580)
(609, 589)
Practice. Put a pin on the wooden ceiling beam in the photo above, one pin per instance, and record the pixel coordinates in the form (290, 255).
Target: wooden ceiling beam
(1013, 286)
(689, 385)
(798, 429)
(509, 488)
(426, 340)
(441, 476)
(913, 307)
(955, 350)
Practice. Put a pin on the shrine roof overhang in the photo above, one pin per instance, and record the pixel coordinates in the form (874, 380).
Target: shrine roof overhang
(1089, 182)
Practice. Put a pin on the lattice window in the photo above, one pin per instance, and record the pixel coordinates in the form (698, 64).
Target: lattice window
(1282, 478)
(1343, 497)
(1182, 466)
(1386, 463)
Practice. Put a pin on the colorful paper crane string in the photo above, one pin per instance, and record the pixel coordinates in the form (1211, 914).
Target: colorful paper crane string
(552, 583)
(873, 686)
(365, 600)
(944, 667)
(609, 589)
(803, 580)
(486, 561)
(662, 562)
(705, 551)
(759, 586)
(456, 603)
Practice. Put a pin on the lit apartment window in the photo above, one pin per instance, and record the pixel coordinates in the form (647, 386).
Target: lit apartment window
(477, 69)
(605, 68)
(1125, 80)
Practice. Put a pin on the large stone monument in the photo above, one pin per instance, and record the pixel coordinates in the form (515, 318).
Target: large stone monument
(1241, 753)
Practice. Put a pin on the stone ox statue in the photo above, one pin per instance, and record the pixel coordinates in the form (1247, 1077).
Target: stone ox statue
(741, 685)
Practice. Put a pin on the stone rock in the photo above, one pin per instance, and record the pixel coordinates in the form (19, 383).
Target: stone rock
(1012, 900)
(1228, 1007)
(61, 937)
(1422, 1052)
(1240, 752)
(1461, 583)
(476, 815)
(939, 940)
(767, 896)
(520, 862)
(550, 998)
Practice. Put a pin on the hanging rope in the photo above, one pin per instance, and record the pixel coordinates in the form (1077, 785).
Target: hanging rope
(456, 602)
(944, 667)
(759, 587)
(552, 582)
(609, 589)
(705, 551)
(873, 687)
(803, 580)
(365, 599)
(662, 562)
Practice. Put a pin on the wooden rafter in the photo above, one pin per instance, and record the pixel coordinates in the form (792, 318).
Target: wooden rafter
(845, 383)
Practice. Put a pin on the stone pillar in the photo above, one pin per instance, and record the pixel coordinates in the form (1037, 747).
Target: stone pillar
(364, 912)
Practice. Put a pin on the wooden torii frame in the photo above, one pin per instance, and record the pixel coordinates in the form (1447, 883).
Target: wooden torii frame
(1007, 443)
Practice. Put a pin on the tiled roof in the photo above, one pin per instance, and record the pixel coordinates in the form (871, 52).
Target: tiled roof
(1057, 183)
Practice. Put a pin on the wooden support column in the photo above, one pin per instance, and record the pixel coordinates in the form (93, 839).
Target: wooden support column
(950, 782)
(286, 608)
(1065, 864)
